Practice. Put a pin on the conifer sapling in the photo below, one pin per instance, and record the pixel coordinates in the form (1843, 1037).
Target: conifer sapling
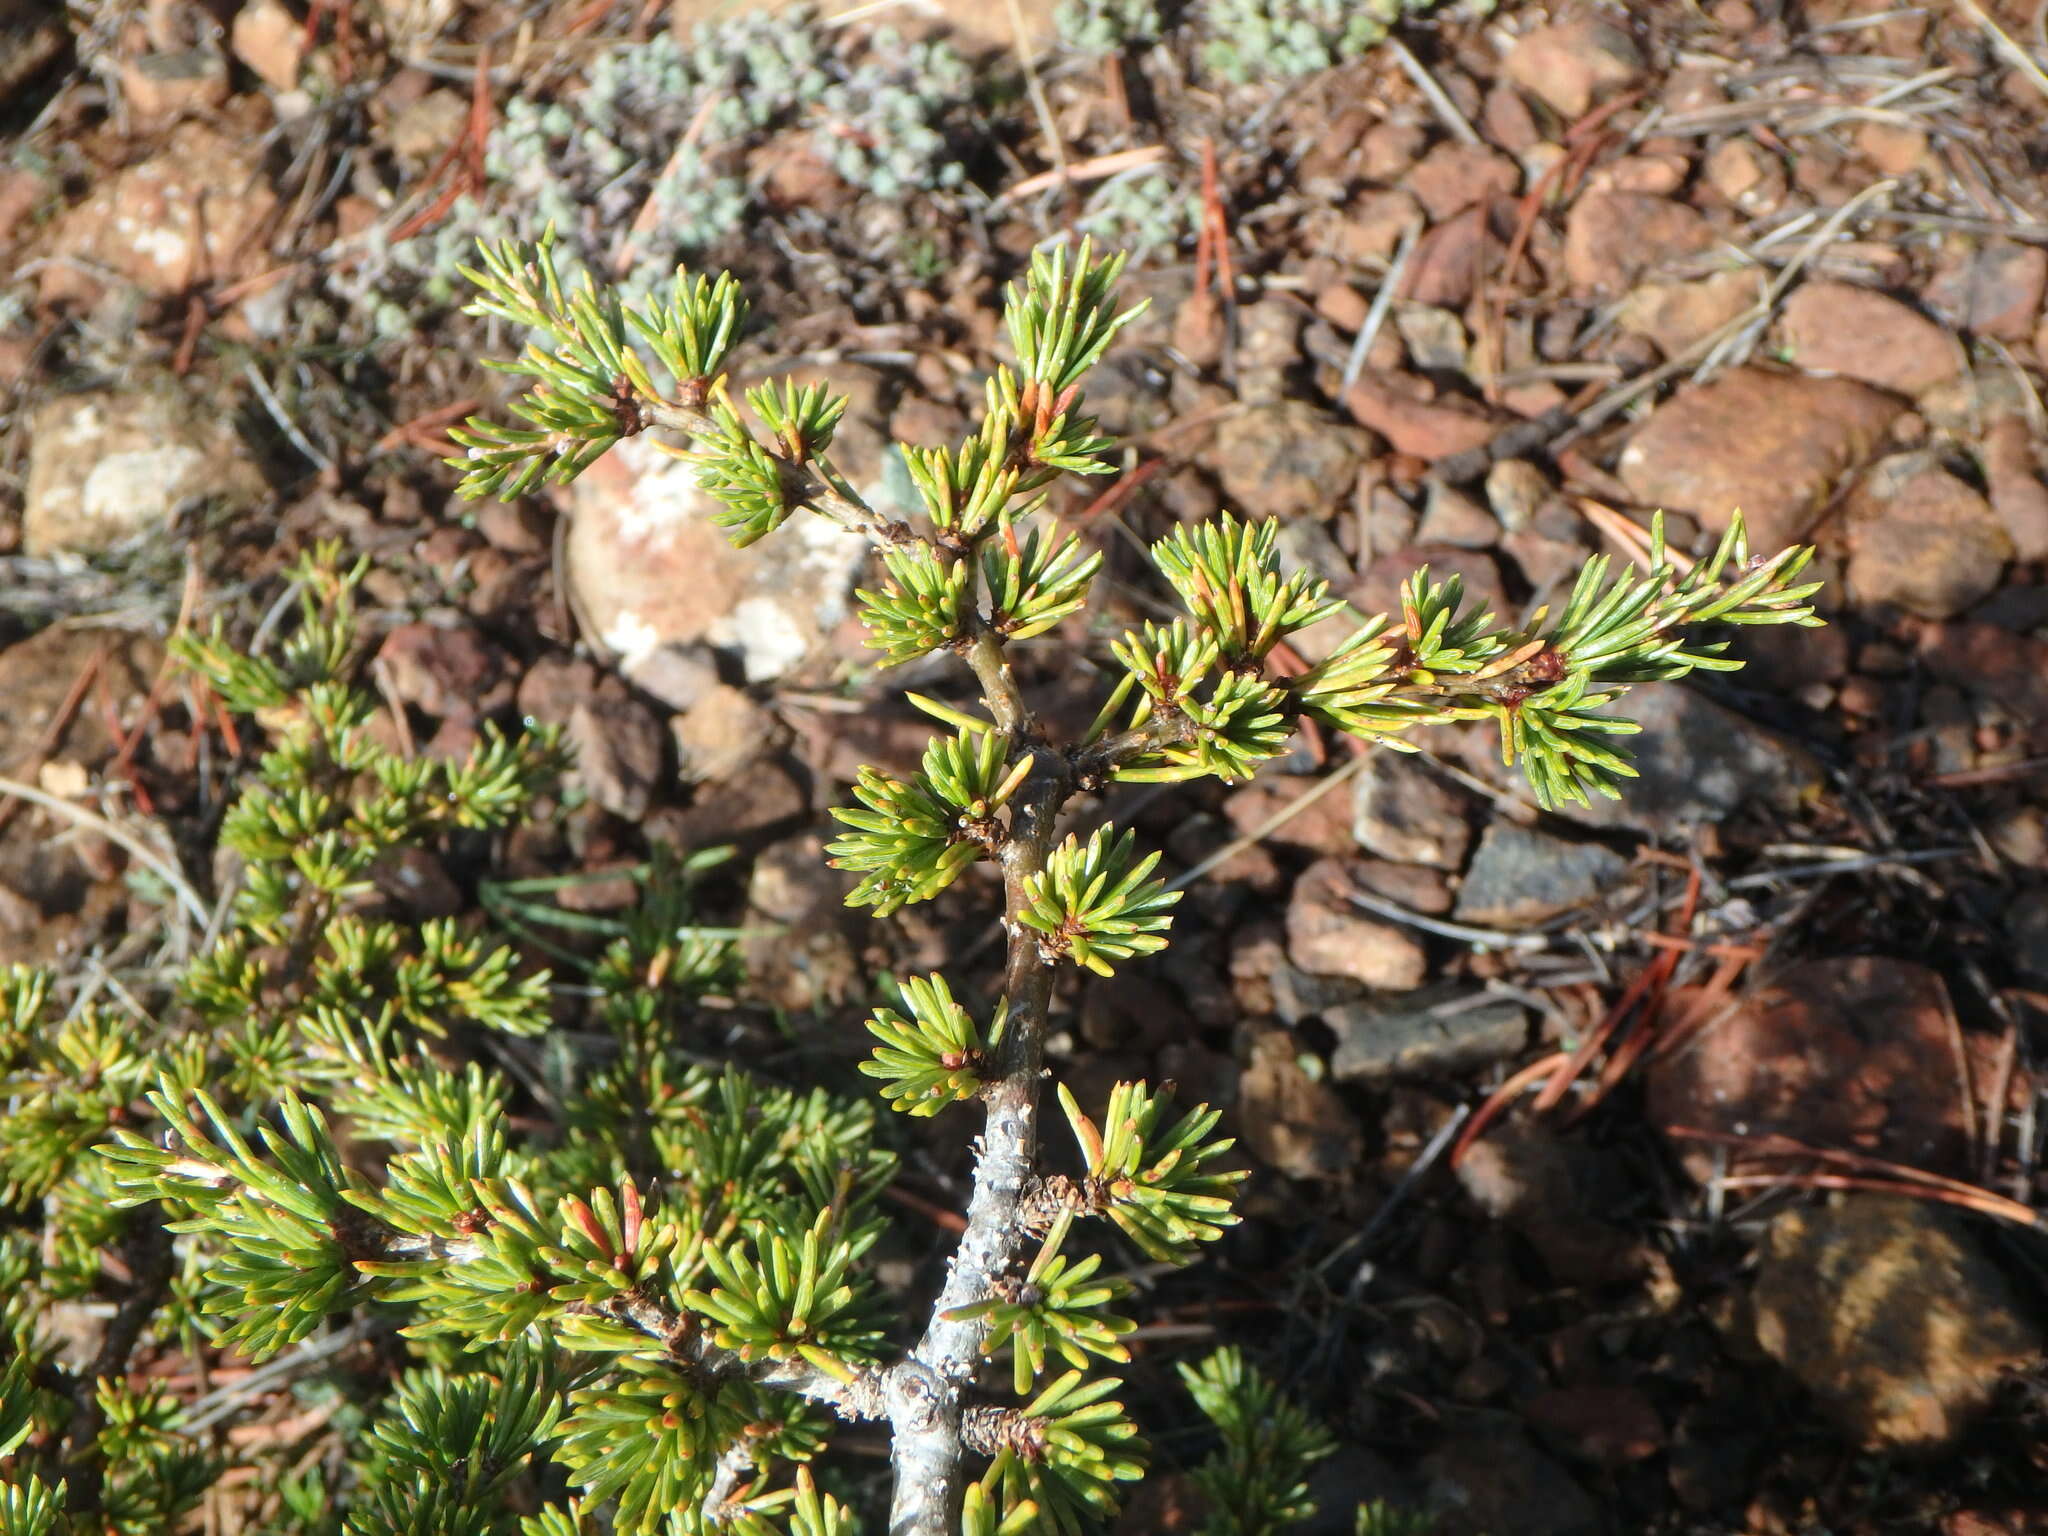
(668, 1297)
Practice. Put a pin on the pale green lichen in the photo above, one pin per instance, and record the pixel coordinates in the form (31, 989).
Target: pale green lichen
(1099, 27)
(1144, 211)
(642, 168)
(1248, 41)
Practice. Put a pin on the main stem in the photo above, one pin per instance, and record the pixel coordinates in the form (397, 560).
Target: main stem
(926, 1388)
(922, 1394)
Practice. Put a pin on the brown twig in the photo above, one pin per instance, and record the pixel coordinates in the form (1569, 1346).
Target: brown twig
(1498, 1101)
(60, 722)
(1982, 1201)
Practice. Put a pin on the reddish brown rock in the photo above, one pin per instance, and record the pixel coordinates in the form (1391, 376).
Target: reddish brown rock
(1453, 176)
(1387, 151)
(1449, 261)
(271, 41)
(1507, 121)
(1608, 1426)
(1856, 1054)
(1492, 1481)
(1843, 329)
(1373, 224)
(1772, 445)
(1893, 149)
(22, 192)
(1654, 175)
(1890, 1314)
(760, 800)
(1613, 238)
(618, 751)
(1286, 459)
(1572, 64)
(1428, 429)
(189, 214)
(1328, 936)
(157, 86)
(444, 671)
(1991, 290)
(1403, 812)
(1339, 303)
(1290, 1121)
(1921, 540)
(2012, 473)
(1451, 517)
(1323, 828)
(1748, 176)
(1995, 664)
(724, 732)
(1677, 315)
(1414, 886)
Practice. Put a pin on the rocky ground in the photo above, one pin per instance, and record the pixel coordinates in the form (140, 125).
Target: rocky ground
(1667, 1167)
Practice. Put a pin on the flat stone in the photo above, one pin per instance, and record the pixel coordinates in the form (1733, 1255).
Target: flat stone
(107, 467)
(1435, 338)
(1894, 149)
(1428, 429)
(1889, 1312)
(1748, 176)
(1520, 877)
(1659, 175)
(1697, 763)
(1613, 238)
(37, 673)
(1454, 176)
(1402, 812)
(156, 86)
(1373, 225)
(1328, 936)
(2007, 670)
(1451, 517)
(1286, 460)
(721, 733)
(1299, 996)
(271, 41)
(1921, 540)
(1772, 445)
(1491, 1479)
(1677, 314)
(1435, 1032)
(1842, 329)
(2012, 473)
(1572, 64)
(743, 808)
(1856, 1053)
(1515, 490)
(1291, 1121)
(1322, 829)
(1414, 886)
(1456, 253)
(618, 748)
(1993, 289)
(1607, 1426)
(204, 186)
(1390, 148)
(446, 671)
